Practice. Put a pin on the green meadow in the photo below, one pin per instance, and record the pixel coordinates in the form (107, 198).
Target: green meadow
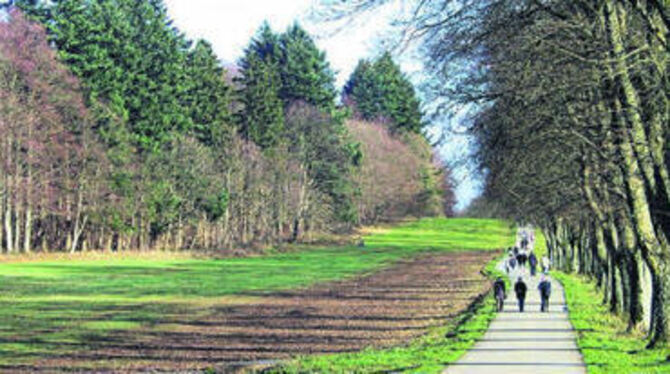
(54, 307)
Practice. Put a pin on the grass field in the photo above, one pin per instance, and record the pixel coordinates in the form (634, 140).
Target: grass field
(605, 345)
(52, 309)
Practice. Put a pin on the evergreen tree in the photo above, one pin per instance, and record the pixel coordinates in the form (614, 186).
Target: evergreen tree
(398, 98)
(262, 117)
(208, 97)
(278, 70)
(159, 78)
(361, 91)
(380, 90)
(305, 73)
(128, 56)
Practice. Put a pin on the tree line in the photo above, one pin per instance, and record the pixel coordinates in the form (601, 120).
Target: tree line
(570, 115)
(120, 133)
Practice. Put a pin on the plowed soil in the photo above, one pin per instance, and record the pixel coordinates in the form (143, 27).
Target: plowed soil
(382, 309)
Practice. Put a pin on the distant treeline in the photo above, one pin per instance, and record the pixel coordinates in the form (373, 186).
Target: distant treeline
(119, 133)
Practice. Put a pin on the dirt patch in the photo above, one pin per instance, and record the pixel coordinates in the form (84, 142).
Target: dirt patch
(383, 309)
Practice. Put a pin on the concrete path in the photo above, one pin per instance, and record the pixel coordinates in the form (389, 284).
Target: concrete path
(529, 342)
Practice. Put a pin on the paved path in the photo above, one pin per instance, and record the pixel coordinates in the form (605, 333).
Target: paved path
(529, 342)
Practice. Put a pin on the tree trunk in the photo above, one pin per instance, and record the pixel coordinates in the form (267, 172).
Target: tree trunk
(635, 156)
(646, 289)
(79, 222)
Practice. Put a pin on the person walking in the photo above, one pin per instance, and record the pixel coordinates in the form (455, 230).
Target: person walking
(532, 261)
(511, 262)
(499, 293)
(521, 261)
(520, 289)
(545, 264)
(545, 291)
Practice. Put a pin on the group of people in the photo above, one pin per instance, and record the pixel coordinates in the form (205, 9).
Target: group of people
(520, 258)
(521, 255)
(520, 289)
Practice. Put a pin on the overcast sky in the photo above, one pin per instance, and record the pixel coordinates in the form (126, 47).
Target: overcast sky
(230, 24)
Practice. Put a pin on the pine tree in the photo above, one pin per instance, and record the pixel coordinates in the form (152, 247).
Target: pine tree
(128, 56)
(305, 73)
(361, 91)
(380, 90)
(208, 97)
(262, 118)
(399, 100)
(160, 77)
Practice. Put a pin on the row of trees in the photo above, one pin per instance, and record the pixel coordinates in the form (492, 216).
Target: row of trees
(119, 133)
(572, 125)
(570, 114)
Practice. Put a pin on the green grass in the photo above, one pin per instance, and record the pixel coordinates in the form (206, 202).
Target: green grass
(49, 303)
(602, 338)
(441, 234)
(428, 354)
(540, 245)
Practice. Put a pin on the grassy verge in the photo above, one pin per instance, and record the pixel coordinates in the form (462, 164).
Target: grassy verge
(428, 354)
(602, 338)
(540, 245)
(54, 307)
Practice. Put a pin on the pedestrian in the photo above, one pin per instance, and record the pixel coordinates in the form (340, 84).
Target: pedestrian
(545, 291)
(512, 262)
(532, 261)
(499, 293)
(545, 264)
(520, 288)
(521, 259)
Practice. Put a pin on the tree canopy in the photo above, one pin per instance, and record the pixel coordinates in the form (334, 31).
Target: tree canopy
(379, 90)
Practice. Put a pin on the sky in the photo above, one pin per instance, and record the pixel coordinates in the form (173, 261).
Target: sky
(229, 25)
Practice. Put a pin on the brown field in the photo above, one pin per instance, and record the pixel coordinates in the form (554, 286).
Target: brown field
(382, 309)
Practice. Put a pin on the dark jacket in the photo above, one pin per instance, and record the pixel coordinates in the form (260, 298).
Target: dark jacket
(499, 288)
(520, 288)
(545, 288)
(532, 260)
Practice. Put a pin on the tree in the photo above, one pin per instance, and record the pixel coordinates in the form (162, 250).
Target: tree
(380, 90)
(360, 91)
(305, 73)
(128, 55)
(262, 117)
(49, 158)
(321, 143)
(208, 97)
(390, 190)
